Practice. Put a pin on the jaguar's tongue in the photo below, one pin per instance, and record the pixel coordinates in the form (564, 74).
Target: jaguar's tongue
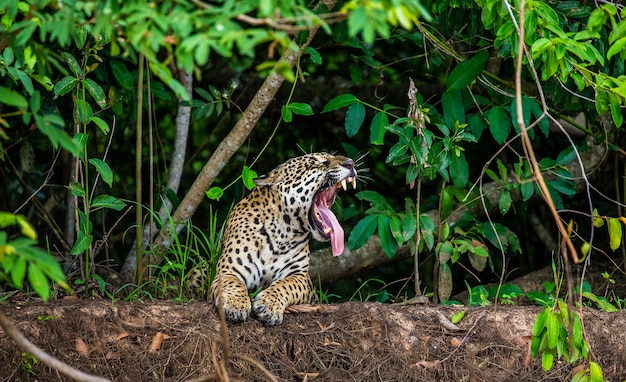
(336, 232)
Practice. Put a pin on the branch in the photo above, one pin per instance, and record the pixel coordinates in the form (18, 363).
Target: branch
(44, 357)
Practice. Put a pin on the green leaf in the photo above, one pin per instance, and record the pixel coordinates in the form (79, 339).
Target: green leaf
(38, 281)
(595, 372)
(377, 128)
(547, 360)
(616, 110)
(395, 225)
(300, 108)
(457, 317)
(505, 201)
(552, 330)
(49, 125)
(18, 272)
(64, 86)
(107, 201)
(85, 112)
(567, 155)
(362, 231)
(72, 63)
(453, 109)
(26, 81)
(499, 124)
(387, 240)
(83, 241)
(316, 58)
(409, 227)
(35, 102)
(103, 169)
(602, 101)
(339, 102)
(215, 193)
(286, 113)
(373, 197)
(459, 169)
(467, 71)
(26, 228)
(12, 98)
(616, 48)
(248, 176)
(615, 232)
(102, 125)
(96, 92)
(355, 115)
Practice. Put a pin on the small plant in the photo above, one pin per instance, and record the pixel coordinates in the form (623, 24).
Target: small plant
(28, 362)
(558, 332)
(324, 296)
(20, 258)
(188, 267)
(365, 292)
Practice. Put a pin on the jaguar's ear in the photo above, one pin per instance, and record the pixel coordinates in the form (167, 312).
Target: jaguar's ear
(267, 179)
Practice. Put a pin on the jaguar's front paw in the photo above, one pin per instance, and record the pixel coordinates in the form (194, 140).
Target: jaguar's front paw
(268, 308)
(235, 308)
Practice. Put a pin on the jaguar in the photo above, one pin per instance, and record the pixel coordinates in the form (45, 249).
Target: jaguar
(266, 238)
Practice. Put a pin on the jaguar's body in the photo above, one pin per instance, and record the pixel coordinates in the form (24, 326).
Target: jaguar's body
(266, 239)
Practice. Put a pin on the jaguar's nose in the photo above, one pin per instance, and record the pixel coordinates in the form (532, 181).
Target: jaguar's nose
(349, 164)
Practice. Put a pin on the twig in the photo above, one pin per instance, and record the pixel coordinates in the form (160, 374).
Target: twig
(284, 23)
(257, 365)
(44, 357)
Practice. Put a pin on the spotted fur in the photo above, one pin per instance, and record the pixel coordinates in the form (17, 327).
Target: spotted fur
(266, 239)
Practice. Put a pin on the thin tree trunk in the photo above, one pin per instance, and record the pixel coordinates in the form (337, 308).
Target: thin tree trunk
(183, 118)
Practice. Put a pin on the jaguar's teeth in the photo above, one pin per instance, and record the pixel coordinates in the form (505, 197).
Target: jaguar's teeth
(343, 184)
(353, 182)
(327, 231)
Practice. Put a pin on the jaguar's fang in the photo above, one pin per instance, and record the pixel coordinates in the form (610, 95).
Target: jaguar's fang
(343, 183)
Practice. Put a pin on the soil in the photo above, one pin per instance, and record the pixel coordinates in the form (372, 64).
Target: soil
(166, 341)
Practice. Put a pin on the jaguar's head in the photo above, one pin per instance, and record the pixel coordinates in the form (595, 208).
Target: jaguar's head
(308, 186)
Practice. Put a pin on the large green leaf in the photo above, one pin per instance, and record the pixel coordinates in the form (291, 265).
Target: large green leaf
(107, 201)
(12, 98)
(499, 124)
(453, 109)
(387, 240)
(339, 102)
(467, 71)
(103, 169)
(49, 125)
(64, 86)
(122, 74)
(355, 115)
(248, 175)
(459, 169)
(96, 92)
(38, 281)
(615, 233)
(72, 63)
(362, 231)
(377, 128)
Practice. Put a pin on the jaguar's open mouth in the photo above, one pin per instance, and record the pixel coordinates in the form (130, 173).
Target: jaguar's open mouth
(325, 221)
